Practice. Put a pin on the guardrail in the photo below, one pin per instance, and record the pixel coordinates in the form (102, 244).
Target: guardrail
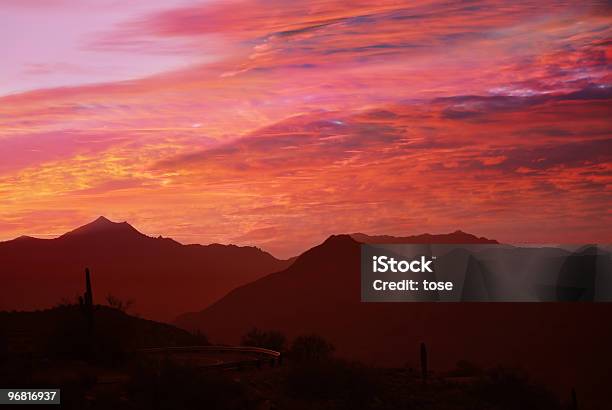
(262, 355)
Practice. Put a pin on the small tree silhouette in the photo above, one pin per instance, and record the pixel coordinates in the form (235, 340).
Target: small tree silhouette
(311, 348)
(119, 304)
(66, 301)
(271, 339)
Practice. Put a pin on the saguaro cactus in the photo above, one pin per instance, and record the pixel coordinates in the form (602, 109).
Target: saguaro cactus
(574, 405)
(424, 361)
(86, 303)
(88, 293)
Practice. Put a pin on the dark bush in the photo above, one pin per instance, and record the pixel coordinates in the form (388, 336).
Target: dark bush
(167, 385)
(310, 348)
(511, 389)
(353, 385)
(200, 338)
(70, 338)
(120, 304)
(270, 339)
(466, 369)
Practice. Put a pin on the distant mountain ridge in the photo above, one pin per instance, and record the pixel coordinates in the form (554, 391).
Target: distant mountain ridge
(162, 276)
(457, 237)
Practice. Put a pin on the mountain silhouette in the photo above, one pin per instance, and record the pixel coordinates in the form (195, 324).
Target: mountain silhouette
(162, 276)
(103, 227)
(457, 237)
(561, 343)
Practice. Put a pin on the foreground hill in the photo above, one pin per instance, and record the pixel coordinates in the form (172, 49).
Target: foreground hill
(162, 276)
(563, 344)
(105, 374)
(63, 329)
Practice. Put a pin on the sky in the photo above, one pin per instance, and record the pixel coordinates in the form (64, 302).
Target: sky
(277, 123)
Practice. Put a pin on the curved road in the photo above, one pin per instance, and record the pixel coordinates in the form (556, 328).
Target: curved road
(226, 357)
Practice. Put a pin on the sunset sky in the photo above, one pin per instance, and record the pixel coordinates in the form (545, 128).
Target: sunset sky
(277, 123)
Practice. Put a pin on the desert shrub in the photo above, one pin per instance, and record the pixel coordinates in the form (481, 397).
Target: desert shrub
(200, 338)
(70, 338)
(16, 372)
(167, 385)
(270, 339)
(4, 348)
(352, 385)
(466, 369)
(66, 301)
(310, 348)
(510, 389)
(117, 303)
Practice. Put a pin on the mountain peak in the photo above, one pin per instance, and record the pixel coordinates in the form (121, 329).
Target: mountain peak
(103, 226)
(102, 220)
(340, 238)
